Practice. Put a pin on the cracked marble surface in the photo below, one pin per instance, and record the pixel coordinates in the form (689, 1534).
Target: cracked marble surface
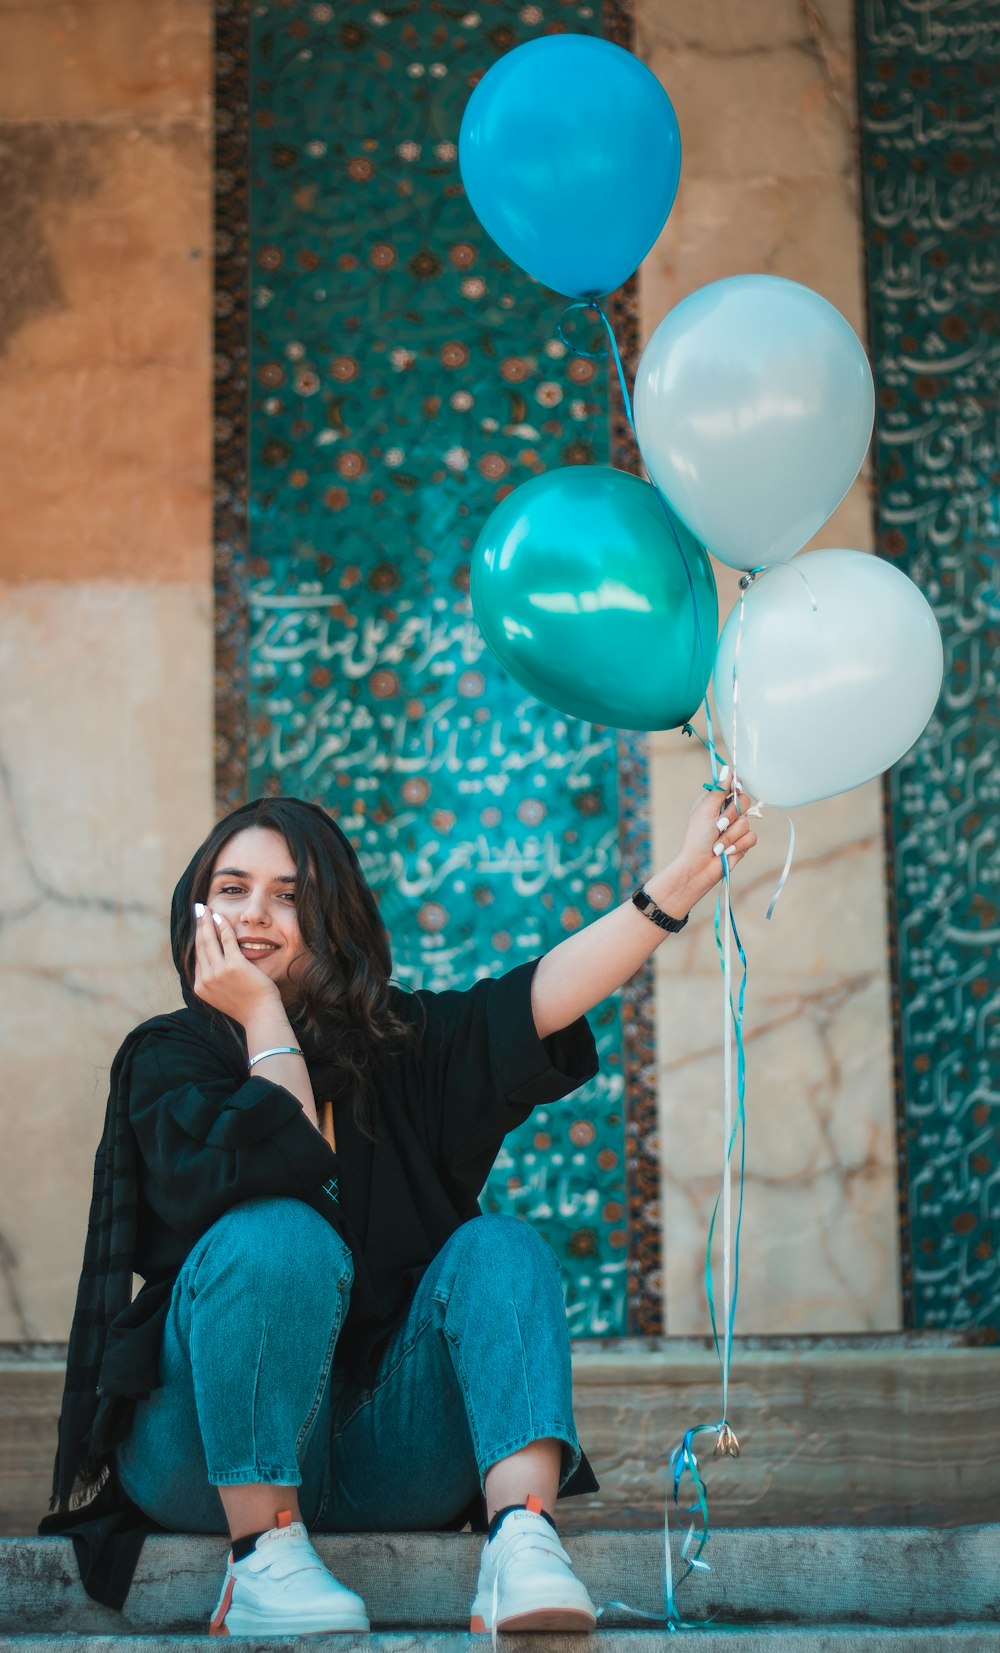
(819, 1249)
(765, 99)
(105, 780)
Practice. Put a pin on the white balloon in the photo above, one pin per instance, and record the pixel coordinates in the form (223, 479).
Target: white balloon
(754, 406)
(826, 696)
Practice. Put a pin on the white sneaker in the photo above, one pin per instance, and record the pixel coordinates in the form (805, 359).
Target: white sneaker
(526, 1579)
(283, 1589)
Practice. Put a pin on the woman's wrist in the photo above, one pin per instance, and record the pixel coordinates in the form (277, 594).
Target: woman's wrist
(266, 1024)
(676, 889)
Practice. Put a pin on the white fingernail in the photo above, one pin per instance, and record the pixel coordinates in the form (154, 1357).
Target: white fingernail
(731, 850)
(199, 909)
(718, 849)
(722, 822)
(724, 774)
(737, 787)
(217, 918)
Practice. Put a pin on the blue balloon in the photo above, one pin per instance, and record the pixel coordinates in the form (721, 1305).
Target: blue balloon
(570, 154)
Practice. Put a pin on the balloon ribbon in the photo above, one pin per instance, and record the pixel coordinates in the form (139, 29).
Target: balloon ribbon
(683, 1459)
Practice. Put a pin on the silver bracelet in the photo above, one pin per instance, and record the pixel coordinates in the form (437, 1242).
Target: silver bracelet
(276, 1050)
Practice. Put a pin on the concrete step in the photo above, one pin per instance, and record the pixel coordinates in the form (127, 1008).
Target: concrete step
(802, 1586)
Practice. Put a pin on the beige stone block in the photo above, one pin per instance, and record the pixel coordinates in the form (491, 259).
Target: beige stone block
(832, 1267)
(835, 18)
(822, 33)
(113, 685)
(805, 231)
(106, 763)
(716, 229)
(817, 1253)
(102, 60)
(719, 28)
(105, 384)
(775, 116)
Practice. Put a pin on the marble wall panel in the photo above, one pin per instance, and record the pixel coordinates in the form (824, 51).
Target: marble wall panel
(105, 785)
(765, 99)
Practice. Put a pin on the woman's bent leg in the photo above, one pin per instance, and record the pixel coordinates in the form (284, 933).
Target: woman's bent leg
(248, 1345)
(479, 1370)
(474, 1386)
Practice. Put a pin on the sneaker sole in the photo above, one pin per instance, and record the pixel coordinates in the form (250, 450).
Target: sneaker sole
(358, 1627)
(541, 1618)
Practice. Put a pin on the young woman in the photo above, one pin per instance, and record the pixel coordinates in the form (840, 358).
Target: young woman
(324, 1339)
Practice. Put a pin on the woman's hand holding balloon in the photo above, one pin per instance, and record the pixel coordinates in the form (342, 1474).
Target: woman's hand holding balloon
(717, 826)
(582, 970)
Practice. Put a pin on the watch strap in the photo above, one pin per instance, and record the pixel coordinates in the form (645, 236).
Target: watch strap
(647, 906)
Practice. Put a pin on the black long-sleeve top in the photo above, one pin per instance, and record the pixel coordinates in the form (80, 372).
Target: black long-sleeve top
(206, 1137)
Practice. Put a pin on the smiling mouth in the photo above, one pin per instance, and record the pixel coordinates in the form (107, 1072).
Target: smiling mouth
(257, 949)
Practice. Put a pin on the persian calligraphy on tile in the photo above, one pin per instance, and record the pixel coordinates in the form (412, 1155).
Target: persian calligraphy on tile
(402, 377)
(930, 106)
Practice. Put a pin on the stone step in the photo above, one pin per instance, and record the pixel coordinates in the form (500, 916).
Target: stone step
(756, 1639)
(420, 1585)
(899, 1430)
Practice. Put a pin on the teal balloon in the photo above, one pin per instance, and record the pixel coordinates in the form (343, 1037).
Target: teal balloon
(581, 592)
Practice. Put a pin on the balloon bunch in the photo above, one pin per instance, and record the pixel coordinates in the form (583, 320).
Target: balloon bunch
(754, 406)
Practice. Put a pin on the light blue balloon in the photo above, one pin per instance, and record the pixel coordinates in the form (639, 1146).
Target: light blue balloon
(588, 598)
(570, 154)
(754, 406)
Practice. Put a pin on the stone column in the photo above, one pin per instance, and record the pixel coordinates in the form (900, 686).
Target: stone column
(765, 98)
(106, 651)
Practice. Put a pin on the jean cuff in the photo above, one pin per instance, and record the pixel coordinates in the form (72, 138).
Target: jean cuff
(561, 1432)
(268, 1475)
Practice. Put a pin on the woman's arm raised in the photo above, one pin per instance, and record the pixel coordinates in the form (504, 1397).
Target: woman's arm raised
(582, 970)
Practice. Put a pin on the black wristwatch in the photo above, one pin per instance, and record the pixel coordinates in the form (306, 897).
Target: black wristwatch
(647, 905)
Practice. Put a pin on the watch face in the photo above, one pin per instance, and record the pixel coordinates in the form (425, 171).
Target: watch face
(647, 905)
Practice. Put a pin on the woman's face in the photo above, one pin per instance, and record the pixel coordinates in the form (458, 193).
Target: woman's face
(253, 886)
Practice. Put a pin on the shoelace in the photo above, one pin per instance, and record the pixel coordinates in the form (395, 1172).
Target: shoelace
(291, 1553)
(515, 1544)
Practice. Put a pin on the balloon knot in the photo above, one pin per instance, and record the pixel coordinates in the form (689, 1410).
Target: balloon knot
(592, 308)
(727, 1445)
(747, 579)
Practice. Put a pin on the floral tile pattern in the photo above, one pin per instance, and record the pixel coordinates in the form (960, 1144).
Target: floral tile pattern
(401, 377)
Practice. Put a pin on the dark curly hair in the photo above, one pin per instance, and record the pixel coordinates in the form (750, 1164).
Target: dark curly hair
(341, 1010)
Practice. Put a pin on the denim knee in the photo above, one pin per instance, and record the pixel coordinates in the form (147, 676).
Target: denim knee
(277, 1241)
(511, 1249)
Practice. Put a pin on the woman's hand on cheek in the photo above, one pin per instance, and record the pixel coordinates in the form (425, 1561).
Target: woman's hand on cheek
(223, 977)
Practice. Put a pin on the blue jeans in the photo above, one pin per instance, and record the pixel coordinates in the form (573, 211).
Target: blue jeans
(251, 1391)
